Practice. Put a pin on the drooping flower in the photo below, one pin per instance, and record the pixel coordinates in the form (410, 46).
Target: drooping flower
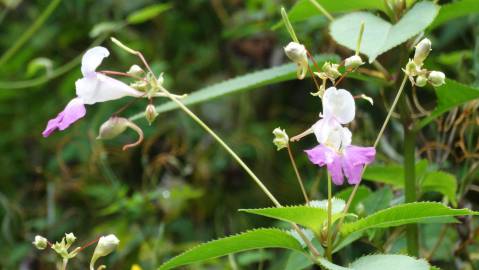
(335, 150)
(92, 88)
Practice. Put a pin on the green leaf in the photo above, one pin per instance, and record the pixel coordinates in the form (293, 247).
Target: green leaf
(449, 96)
(381, 262)
(304, 10)
(379, 35)
(147, 13)
(392, 174)
(419, 212)
(255, 239)
(311, 217)
(455, 10)
(104, 27)
(242, 83)
(297, 261)
(441, 182)
(361, 193)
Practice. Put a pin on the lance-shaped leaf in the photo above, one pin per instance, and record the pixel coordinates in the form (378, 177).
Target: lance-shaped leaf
(419, 212)
(311, 217)
(381, 262)
(379, 35)
(455, 10)
(255, 239)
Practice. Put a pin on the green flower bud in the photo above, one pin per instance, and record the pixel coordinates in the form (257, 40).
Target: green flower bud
(353, 61)
(411, 68)
(70, 238)
(281, 139)
(150, 113)
(436, 78)
(40, 242)
(331, 70)
(421, 81)
(113, 127)
(422, 51)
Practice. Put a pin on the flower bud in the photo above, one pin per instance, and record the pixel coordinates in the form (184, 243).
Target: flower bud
(106, 245)
(135, 70)
(40, 242)
(421, 81)
(436, 78)
(70, 238)
(296, 52)
(150, 113)
(331, 70)
(411, 68)
(353, 61)
(281, 139)
(113, 127)
(422, 51)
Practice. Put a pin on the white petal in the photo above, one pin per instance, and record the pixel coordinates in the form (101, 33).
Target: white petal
(92, 59)
(321, 130)
(100, 88)
(338, 104)
(346, 137)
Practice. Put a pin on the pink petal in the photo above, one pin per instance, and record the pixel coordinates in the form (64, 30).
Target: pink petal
(336, 171)
(353, 161)
(74, 110)
(323, 155)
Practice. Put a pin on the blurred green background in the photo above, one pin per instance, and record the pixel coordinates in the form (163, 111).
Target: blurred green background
(179, 187)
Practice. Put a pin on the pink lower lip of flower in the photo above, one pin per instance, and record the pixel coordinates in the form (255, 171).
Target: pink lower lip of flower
(74, 110)
(349, 163)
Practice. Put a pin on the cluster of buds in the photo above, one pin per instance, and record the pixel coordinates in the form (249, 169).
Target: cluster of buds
(297, 53)
(417, 74)
(106, 245)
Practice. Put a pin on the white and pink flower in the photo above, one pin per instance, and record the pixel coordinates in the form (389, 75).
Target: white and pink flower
(92, 88)
(335, 150)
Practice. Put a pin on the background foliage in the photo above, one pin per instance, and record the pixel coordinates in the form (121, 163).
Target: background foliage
(179, 188)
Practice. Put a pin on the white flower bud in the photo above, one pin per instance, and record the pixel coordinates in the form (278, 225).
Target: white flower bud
(422, 51)
(281, 139)
(353, 61)
(296, 52)
(106, 245)
(135, 70)
(436, 78)
(421, 81)
(70, 238)
(40, 242)
(150, 113)
(331, 70)
(113, 127)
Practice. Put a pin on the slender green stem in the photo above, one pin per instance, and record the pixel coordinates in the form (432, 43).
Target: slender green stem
(30, 32)
(410, 187)
(288, 25)
(322, 10)
(330, 228)
(298, 176)
(225, 146)
(64, 264)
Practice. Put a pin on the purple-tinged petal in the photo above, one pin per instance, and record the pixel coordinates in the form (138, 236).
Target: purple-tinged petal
(323, 155)
(320, 155)
(101, 88)
(336, 171)
(92, 59)
(353, 161)
(74, 110)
